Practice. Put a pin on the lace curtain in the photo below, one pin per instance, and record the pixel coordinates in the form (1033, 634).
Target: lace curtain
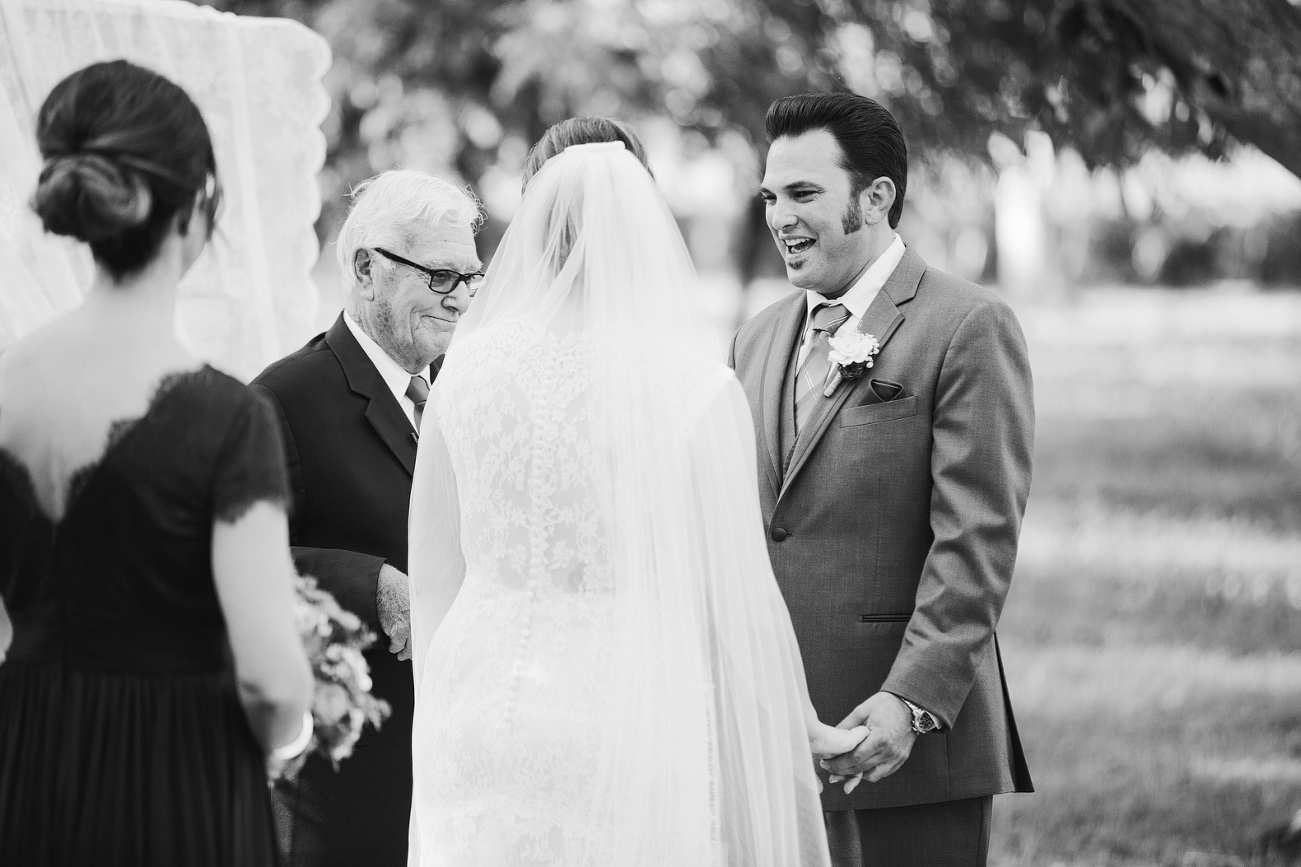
(250, 298)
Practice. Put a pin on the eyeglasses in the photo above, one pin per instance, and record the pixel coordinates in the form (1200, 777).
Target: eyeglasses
(442, 281)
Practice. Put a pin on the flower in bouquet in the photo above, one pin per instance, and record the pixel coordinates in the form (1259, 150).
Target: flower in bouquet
(342, 705)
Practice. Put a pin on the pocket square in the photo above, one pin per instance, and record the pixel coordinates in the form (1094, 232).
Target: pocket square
(885, 389)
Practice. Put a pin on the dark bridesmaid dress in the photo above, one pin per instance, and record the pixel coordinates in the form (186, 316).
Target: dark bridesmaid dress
(122, 739)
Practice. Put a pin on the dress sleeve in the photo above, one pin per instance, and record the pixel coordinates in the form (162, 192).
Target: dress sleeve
(250, 462)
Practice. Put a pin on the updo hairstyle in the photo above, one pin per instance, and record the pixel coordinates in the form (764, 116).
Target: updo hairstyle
(581, 130)
(126, 151)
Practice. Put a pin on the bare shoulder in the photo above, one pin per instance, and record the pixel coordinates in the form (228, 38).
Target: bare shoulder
(29, 349)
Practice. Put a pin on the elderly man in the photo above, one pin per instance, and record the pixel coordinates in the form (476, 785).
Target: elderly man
(350, 403)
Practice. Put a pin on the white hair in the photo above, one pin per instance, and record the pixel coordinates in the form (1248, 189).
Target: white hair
(390, 209)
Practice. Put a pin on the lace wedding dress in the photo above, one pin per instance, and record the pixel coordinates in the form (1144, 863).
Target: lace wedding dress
(522, 658)
(605, 670)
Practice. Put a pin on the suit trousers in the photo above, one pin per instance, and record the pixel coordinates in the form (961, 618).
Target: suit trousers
(946, 834)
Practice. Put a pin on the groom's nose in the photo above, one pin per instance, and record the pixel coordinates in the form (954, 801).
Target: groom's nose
(781, 216)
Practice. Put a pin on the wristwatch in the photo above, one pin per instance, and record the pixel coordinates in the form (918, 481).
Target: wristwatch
(923, 720)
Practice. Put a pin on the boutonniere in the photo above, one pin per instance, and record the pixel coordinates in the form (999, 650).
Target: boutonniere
(851, 354)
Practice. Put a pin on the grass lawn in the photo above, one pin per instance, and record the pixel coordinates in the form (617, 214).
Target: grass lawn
(1153, 633)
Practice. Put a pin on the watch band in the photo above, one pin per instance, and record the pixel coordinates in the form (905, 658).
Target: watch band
(923, 720)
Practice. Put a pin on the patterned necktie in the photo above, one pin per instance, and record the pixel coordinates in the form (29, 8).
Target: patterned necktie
(812, 374)
(418, 391)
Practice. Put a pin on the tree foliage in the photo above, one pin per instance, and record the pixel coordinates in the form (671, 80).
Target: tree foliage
(1110, 78)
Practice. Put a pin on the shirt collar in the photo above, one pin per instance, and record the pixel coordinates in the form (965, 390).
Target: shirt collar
(397, 379)
(861, 295)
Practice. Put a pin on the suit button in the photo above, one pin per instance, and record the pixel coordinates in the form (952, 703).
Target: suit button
(778, 534)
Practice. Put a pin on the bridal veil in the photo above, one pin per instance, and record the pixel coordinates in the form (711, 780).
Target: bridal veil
(701, 752)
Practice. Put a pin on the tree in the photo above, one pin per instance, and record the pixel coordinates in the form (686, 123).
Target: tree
(1110, 78)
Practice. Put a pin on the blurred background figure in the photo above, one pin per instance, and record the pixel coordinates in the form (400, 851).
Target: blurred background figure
(154, 660)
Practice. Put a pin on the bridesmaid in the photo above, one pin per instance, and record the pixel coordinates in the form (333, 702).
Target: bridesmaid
(144, 560)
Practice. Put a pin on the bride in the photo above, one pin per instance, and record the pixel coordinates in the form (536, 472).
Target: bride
(605, 669)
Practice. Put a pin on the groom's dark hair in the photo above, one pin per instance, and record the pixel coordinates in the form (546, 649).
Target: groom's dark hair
(869, 137)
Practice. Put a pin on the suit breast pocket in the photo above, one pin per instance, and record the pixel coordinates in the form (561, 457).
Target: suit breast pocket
(874, 413)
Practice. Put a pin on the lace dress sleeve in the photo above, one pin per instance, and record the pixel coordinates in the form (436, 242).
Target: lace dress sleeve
(251, 461)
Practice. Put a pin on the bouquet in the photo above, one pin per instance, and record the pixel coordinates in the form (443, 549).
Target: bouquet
(342, 706)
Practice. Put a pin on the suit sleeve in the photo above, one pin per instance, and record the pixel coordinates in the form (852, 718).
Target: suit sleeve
(352, 578)
(983, 437)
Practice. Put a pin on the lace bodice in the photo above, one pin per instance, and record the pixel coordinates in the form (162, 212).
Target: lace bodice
(515, 412)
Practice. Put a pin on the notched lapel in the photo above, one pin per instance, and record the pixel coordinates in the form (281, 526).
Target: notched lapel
(882, 320)
(392, 425)
(785, 337)
(383, 412)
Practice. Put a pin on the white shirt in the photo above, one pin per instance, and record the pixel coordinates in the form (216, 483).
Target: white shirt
(859, 297)
(397, 379)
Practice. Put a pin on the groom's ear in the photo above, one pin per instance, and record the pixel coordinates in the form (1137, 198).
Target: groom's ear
(363, 265)
(876, 200)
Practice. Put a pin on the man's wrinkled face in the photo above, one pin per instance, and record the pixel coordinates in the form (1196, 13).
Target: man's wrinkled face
(811, 214)
(412, 323)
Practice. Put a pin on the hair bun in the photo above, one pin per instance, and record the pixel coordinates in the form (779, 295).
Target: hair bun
(90, 197)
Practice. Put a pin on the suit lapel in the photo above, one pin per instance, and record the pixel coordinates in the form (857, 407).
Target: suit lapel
(882, 320)
(786, 334)
(383, 411)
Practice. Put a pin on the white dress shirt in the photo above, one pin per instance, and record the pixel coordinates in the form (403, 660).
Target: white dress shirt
(859, 297)
(397, 379)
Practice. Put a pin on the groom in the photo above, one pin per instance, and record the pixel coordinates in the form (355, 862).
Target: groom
(892, 501)
(350, 403)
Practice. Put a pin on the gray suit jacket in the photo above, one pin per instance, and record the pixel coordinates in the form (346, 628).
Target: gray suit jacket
(893, 528)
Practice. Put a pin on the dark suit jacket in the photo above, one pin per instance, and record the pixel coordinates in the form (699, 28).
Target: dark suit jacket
(351, 450)
(893, 527)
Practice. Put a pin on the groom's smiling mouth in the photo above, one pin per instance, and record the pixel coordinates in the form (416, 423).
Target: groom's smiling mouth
(794, 247)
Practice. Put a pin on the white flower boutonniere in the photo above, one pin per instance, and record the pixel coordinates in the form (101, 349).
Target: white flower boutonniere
(851, 354)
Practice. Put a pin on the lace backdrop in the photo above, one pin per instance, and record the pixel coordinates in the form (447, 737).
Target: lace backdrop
(250, 298)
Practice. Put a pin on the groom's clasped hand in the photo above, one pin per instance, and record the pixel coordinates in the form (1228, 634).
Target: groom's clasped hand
(871, 743)
(886, 745)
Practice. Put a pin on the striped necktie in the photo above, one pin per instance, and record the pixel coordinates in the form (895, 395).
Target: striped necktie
(812, 374)
(418, 391)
